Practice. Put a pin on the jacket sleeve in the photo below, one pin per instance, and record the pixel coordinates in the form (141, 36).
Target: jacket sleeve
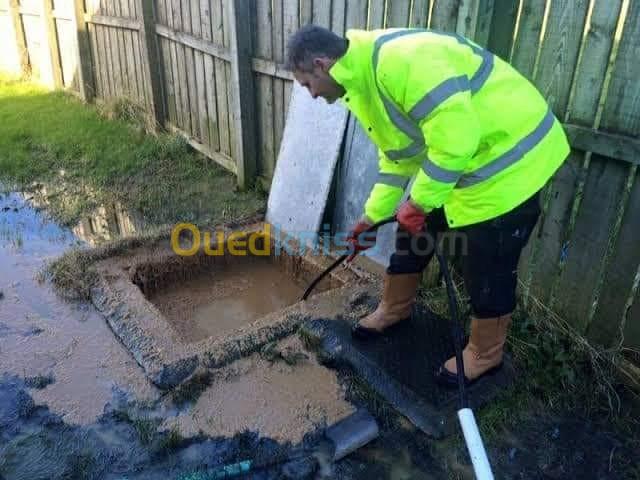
(438, 100)
(387, 192)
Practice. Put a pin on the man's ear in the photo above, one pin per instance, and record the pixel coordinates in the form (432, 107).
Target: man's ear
(323, 63)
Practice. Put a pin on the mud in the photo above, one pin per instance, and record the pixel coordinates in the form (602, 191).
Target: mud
(281, 401)
(47, 338)
(171, 351)
(216, 303)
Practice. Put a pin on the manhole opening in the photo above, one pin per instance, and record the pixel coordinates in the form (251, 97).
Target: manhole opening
(204, 296)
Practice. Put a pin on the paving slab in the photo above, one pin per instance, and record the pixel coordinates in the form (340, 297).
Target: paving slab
(307, 160)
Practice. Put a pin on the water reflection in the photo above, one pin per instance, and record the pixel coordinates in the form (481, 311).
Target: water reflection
(24, 224)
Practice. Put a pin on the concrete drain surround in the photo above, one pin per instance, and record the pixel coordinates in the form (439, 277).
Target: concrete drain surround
(178, 314)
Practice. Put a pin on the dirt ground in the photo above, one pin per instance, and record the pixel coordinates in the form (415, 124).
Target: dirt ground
(75, 404)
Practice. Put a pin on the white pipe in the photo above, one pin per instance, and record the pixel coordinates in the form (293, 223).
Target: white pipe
(472, 438)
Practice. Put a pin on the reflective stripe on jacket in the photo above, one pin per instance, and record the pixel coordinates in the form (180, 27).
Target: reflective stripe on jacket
(477, 135)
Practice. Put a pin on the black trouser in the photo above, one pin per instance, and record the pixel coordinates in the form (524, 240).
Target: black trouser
(490, 253)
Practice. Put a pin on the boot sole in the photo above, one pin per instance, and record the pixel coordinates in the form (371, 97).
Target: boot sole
(358, 332)
(447, 379)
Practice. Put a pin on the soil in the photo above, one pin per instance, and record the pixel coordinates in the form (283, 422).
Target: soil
(233, 295)
(279, 400)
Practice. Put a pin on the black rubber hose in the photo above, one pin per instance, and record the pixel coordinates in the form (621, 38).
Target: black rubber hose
(456, 328)
(342, 258)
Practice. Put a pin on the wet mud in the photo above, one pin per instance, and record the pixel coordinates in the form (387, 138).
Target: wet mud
(281, 396)
(214, 304)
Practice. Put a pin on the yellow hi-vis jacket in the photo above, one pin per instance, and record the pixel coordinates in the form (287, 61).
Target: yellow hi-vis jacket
(478, 135)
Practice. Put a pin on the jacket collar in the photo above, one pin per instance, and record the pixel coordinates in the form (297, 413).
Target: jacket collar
(348, 70)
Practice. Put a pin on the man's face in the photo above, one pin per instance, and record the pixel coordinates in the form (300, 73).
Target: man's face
(319, 82)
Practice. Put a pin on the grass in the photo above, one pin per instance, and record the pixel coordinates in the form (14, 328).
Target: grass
(86, 156)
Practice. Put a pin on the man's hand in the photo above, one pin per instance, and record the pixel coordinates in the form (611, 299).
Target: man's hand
(411, 217)
(359, 240)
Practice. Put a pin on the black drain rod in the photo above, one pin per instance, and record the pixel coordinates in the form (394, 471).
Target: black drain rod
(342, 258)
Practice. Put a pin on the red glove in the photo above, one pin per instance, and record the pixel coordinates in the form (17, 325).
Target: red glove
(359, 240)
(411, 217)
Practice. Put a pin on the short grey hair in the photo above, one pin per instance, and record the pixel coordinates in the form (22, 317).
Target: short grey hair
(310, 42)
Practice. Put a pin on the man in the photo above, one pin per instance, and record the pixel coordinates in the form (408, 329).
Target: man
(481, 143)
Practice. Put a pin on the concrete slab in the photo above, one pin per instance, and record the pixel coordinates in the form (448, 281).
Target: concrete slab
(306, 163)
(356, 175)
(400, 366)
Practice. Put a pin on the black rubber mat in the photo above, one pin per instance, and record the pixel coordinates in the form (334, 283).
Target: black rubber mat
(400, 366)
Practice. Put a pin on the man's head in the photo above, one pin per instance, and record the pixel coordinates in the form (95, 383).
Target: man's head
(311, 52)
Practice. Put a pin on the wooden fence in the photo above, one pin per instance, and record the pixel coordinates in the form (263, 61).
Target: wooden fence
(213, 71)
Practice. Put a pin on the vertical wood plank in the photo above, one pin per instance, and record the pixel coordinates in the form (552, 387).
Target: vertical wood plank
(527, 43)
(126, 43)
(110, 69)
(104, 60)
(306, 12)
(217, 21)
(49, 26)
(357, 14)
(151, 63)
(398, 13)
(86, 65)
(376, 14)
(291, 16)
(242, 78)
(96, 72)
(210, 81)
(322, 13)
(173, 54)
(170, 99)
(264, 49)
(278, 84)
(503, 24)
(21, 41)
(338, 8)
(560, 51)
(444, 15)
(419, 14)
(182, 71)
(191, 72)
(122, 52)
(481, 23)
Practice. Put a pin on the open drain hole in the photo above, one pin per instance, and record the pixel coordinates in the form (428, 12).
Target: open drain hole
(204, 296)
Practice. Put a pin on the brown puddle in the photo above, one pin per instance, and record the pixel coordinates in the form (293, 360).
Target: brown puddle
(278, 400)
(222, 300)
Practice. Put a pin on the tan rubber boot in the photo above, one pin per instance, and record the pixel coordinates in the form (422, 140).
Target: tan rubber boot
(485, 348)
(398, 296)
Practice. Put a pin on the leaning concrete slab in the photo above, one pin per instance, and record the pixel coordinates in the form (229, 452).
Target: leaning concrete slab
(356, 174)
(400, 367)
(308, 155)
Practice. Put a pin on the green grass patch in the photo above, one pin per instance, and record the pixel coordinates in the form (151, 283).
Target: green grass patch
(86, 156)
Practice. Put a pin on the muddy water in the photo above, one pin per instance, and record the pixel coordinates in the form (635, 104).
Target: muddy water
(278, 400)
(230, 297)
(42, 335)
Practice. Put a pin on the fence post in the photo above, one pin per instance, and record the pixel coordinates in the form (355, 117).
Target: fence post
(49, 24)
(243, 108)
(86, 81)
(151, 61)
(21, 42)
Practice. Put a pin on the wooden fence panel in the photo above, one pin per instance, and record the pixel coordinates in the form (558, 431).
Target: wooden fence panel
(557, 58)
(616, 317)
